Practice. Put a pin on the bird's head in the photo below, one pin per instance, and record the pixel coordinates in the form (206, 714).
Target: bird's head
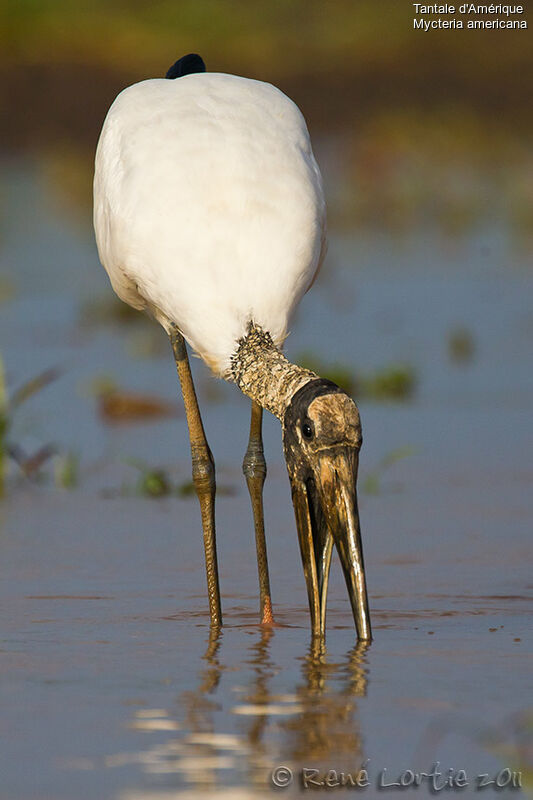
(321, 439)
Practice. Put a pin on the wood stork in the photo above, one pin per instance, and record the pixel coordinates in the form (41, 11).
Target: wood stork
(209, 215)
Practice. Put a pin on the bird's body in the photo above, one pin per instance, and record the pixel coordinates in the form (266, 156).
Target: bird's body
(209, 208)
(209, 213)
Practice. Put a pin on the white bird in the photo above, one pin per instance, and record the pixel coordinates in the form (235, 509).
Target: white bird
(209, 214)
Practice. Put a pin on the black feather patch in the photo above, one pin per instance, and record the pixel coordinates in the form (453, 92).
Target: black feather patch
(296, 413)
(186, 65)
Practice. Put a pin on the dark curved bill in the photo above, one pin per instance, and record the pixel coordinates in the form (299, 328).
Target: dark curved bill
(326, 512)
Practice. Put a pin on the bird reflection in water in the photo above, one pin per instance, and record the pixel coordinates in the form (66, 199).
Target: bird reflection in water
(315, 725)
(199, 703)
(326, 734)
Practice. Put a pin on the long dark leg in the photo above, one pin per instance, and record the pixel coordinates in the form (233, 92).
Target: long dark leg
(254, 468)
(203, 472)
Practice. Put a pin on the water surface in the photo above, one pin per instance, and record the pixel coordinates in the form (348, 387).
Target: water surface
(113, 687)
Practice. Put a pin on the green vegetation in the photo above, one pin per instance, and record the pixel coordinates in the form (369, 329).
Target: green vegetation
(156, 482)
(153, 482)
(340, 374)
(66, 471)
(430, 129)
(284, 38)
(396, 382)
(29, 464)
(186, 489)
(393, 383)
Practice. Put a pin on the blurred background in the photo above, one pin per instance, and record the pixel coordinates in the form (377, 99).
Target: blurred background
(422, 311)
(423, 140)
(421, 129)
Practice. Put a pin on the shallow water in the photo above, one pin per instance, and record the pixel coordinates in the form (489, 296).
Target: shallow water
(111, 684)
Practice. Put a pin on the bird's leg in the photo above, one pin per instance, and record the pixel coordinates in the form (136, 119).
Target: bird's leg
(254, 469)
(203, 472)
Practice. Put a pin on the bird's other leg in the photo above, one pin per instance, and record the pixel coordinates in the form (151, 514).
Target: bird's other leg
(203, 472)
(254, 468)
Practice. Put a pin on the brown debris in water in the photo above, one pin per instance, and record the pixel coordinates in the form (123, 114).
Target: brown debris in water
(117, 406)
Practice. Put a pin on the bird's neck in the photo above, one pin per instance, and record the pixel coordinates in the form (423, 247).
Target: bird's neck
(262, 372)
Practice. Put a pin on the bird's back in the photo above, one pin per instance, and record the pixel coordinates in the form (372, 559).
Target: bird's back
(209, 207)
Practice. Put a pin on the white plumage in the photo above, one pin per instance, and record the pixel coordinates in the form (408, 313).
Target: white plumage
(209, 213)
(209, 209)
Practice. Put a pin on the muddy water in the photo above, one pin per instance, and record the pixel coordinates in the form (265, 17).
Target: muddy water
(112, 686)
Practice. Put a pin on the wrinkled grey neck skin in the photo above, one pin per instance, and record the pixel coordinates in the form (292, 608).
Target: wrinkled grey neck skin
(262, 372)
